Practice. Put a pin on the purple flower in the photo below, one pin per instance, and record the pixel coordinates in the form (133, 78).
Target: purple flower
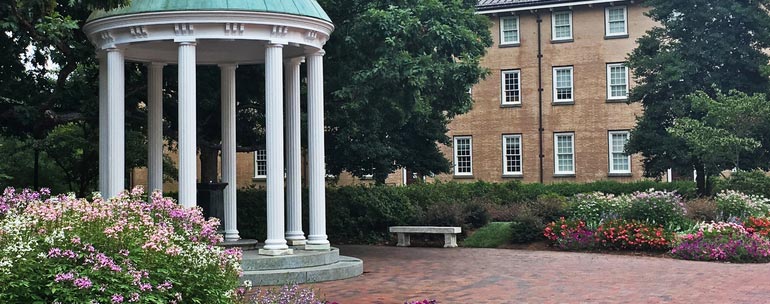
(83, 283)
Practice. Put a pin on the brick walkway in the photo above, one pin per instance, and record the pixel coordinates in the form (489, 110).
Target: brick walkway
(466, 275)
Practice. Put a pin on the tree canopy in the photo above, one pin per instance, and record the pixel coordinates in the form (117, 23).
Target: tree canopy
(699, 45)
(397, 72)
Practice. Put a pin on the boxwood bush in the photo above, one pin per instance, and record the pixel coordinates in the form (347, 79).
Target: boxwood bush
(362, 214)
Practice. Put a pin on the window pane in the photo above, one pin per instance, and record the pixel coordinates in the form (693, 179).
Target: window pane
(564, 154)
(617, 14)
(510, 30)
(512, 154)
(463, 153)
(512, 90)
(261, 162)
(616, 20)
(617, 27)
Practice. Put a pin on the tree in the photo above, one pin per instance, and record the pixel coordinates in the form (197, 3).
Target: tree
(732, 133)
(699, 45)
(397, 72)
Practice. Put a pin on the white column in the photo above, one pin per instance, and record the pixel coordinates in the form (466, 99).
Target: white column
(275, 243)
(115, 121)
(227, 72)
(317, 239)
(294, 234)
(155, 127)
(188, 150)
(103, 132)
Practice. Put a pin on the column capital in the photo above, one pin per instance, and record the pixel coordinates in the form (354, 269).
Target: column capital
(275, 44)
(294, 61)
(316, 53)
(226, 66)
(112, 49)
(156, 65)
(186, 41)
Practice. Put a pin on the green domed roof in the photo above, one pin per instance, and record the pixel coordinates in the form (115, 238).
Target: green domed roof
(309, 8)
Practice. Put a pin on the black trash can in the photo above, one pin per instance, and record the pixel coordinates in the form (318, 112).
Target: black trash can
(211, 198)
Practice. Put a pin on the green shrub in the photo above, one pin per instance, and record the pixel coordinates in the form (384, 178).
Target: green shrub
(550, 207)
(656, 207)
(702, 210)
(493, 235)
(749, 182)
(527, 228)
(475, 215)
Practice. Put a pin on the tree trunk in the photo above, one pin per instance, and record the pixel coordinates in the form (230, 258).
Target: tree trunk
(700, 181)
(209, 165)
(36, 174)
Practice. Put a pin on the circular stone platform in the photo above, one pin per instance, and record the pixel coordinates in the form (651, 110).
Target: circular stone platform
(301, 267)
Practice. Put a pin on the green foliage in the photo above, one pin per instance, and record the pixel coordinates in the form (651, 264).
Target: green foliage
(492, 235)
(399, 71)
(699, 45)
(732, 133)
(526, 228)
(749, 182)
(549, 207)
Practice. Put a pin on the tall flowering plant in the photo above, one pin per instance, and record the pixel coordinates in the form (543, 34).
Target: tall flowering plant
(122, 250)
(597, 206)
(657, 207)
(731, 204)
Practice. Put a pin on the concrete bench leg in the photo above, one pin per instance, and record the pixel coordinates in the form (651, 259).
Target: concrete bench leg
(450, 240)
(404, 240)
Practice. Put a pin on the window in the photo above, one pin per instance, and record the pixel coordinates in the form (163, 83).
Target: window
(260, 164)
(617, 81)
(512, 155)
(620, 162)
(511, 82)
(562, 84)
(463, 155)
(564, 153)
(509, 30)
(616, 17)
(561, 25)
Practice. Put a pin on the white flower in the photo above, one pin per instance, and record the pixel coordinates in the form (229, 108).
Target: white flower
(247, 283)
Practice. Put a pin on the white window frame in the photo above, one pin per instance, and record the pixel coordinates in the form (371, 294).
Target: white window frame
(256, 164)
(503, 91)
(607, 21)
(553, 26)
(556, 170)
(502, 30)
(611, 152)
(506, 172)
(609, 81)
(454, 152)
(571, 84)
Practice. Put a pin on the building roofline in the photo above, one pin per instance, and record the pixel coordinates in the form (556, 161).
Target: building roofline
(534, 5)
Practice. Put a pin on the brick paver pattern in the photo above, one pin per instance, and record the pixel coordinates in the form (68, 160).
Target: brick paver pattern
(467, 275)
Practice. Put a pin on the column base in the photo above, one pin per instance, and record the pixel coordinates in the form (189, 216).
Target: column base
(318, 247)
(276, 252)
(296, 242)
(232, 236)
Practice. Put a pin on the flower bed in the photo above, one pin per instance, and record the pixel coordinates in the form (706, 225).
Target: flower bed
(722, 241)
(65, 250)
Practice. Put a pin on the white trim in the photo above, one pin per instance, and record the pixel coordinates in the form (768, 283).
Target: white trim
(571, 84)
(256, 167)
(611, 152)
(537, 7)
(556, 152)
(454, 152)
(553, 26)
(609, 81)
(518, 30)
(503, 96)
(505, 156)
(607, 21)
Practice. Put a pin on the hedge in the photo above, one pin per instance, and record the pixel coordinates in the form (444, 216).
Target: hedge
(362, 214)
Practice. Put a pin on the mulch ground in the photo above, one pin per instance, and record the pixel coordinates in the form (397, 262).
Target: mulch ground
(467, 275)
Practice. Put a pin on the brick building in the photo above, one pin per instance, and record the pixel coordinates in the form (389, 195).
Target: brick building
(554, 107)
(582, 109)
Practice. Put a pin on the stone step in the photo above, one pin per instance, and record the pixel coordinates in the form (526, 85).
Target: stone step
(244, 244)
(345, 268)
(252, 261)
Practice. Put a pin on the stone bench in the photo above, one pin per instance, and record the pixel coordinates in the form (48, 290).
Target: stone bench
(404, 240)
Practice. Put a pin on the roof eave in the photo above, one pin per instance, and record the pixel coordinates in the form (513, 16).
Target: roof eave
(515, 7)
